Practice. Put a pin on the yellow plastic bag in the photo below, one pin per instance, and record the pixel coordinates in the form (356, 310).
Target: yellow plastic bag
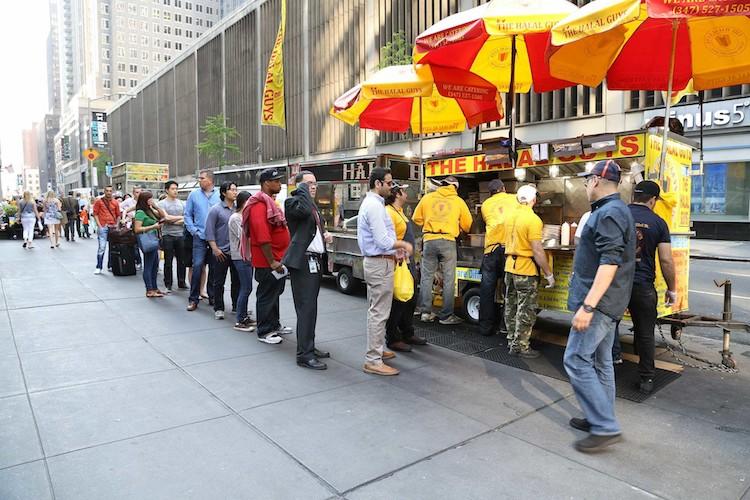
(403, 283)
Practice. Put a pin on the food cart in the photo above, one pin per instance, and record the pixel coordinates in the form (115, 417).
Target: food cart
(150, 176)
(342, 183)
(553, 168)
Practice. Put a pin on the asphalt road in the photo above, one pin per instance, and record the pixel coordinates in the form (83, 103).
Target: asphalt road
(708, 299)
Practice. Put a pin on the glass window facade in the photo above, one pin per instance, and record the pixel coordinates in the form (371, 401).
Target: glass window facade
(723, 191)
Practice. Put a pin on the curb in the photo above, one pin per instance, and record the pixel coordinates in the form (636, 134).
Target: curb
(716, 257)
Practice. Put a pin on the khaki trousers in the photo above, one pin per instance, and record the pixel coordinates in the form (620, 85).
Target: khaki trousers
(379, 279)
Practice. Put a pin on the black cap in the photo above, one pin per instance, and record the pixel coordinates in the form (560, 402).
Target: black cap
(270, 174)
(495, 186)
(648, 187)
(606, 169)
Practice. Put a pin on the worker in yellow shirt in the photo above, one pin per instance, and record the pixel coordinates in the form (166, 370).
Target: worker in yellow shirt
(495, 210)
(399, 330)
(524, 256)
(442, 215)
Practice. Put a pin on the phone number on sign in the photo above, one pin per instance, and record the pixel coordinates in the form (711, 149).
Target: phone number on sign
(739, 9)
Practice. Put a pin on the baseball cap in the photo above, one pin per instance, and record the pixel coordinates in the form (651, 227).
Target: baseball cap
(526, 193)
(495, 185)
(450, 181)
(270, 174)
(395, 186)
(648, 187)
(606, 169)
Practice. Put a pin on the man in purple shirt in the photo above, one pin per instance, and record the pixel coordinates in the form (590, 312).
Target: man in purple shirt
(377, 241)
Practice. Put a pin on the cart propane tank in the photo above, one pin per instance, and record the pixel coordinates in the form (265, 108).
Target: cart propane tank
(565, 235)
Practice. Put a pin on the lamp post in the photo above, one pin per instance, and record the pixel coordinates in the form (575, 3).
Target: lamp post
(89, 139)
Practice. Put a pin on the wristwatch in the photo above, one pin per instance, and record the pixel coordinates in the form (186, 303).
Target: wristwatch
(587, 308)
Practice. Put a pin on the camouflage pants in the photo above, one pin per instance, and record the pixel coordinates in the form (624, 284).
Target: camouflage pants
(520, 309)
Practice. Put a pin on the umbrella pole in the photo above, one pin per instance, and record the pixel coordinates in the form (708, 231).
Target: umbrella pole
(512, 102)
(672, 57)
(421, 146)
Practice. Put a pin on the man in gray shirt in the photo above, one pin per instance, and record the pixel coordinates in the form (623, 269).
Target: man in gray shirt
(172, 241)
(217, 236)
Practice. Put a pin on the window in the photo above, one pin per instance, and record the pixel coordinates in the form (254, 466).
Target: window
(188, 6)
(107, 54)
(209, 24)
(177, 3)
(133, 83)
(144, 11)
(144, 70)
(198, 34)
(167, 16)
(120, 6)
(132, 24)
(166, 2)
(156, 57)
(178, 18)
(134, 68)
(167, 57)
(144, 55)
(106, 39)
(120, 66)
(178, 46)
(198, 22)
(167, 44)
(133, 53)
(107, 69)
(199, 8)
(121, 82)
(105, 24)
(144, 41)
(209, 10)
(120, 22)
(121, 51)
(178, 31)
(189, 33)
(188, 19)
(157, 42)
(105, 7)
(121, 37)
(133, 38)
(155, 13)
(132, 9)
(167, 30)
(157, 28)
(722, 190)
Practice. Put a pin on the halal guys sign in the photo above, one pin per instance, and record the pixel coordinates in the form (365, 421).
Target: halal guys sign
(628, 146)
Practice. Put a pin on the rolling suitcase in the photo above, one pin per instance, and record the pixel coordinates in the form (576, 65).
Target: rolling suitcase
(122, 258)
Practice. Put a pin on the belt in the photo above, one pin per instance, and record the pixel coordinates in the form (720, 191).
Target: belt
(389, 257)
(313, 254)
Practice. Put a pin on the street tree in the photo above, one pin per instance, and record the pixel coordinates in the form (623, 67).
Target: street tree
(396, 51)
(218, 140)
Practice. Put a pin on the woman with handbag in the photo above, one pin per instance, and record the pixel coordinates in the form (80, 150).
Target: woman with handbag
(399, 330)
(146, 224)
(29, 215)
(52, 217)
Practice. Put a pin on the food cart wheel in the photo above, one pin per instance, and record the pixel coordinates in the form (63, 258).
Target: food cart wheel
(345, 281)
(676, 332)
(471, 305)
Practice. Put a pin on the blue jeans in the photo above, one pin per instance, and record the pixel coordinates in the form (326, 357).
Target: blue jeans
(201, 257)
(101, 237)
(150, 268)
(245, 272)
(588, 361)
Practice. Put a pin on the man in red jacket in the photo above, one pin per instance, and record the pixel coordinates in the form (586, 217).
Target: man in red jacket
(269, 239)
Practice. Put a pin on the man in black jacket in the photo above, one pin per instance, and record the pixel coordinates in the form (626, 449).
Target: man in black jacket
(303, 258)
(70, 207)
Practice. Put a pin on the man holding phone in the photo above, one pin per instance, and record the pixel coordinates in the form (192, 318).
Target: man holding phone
(266, 227)
(217, 236)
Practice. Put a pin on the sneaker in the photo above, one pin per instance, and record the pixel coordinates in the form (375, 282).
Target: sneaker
(24, 244)
(580, 424)
(249, 320)
(427, 317)
(218, 314)
(97, 271)
(243, 327)
(594, 443)
(283, 330)
(617, 360)
(270, 338)
(646, 386)
(526, 353)
(138, 267)
(388, 354)
(451, 320)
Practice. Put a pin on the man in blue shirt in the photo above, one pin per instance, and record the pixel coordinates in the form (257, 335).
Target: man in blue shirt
(377, 241)
(599, 292)
(217, 236)
(198, 204)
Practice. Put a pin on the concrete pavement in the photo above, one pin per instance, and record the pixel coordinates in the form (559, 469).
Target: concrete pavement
(107, 394)
(731, 251)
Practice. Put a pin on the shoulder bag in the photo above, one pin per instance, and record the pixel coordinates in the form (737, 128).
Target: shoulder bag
(119, 234)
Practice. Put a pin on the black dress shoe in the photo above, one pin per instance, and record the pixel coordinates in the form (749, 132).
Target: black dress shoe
(580, 424)
(646, 386)
(322, 354)
(313, 364)
(415, 340)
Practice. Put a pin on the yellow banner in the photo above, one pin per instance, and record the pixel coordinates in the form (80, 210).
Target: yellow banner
(628, 146)
(147, 172)
(273, 91)
(674, 180)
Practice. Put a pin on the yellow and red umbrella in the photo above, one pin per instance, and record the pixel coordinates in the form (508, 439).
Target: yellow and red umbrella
(654, 44)
(399, 98)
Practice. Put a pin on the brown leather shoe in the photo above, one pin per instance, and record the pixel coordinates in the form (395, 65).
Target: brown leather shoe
(388, 354)
(400, 346)
(192, 306)
(380, 369)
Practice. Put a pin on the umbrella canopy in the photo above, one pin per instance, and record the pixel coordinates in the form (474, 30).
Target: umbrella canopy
(399, 98)
(654, 44)
(480, 40)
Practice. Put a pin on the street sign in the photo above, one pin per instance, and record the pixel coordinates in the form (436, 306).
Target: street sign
(99, 130)
(91, 154)
(108, 169)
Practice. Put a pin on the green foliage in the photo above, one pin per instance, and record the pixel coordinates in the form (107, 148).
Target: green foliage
(218, 139)
(397, 51)
(101, 163)
(10, 210)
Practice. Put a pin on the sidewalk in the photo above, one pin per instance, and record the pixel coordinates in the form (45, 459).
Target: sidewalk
(733, 251)
(105, 394)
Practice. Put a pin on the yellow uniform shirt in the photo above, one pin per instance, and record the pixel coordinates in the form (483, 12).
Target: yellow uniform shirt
(495, 211)
(399, 220)
(523, 227)
(442, 215)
